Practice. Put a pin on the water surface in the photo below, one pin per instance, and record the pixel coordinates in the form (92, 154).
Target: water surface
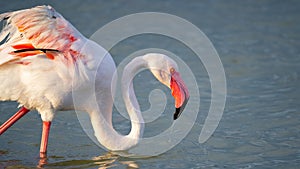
(258, 43)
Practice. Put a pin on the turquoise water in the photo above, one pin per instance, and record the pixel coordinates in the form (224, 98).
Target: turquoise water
(258, 44)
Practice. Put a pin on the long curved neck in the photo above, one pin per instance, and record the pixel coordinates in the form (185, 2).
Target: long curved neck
(102, 118)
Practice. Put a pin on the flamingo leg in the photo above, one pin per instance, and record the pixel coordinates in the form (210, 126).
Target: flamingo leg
(13, 119)
(44, 139)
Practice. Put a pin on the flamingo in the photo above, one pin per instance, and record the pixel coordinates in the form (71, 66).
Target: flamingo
(43, 59)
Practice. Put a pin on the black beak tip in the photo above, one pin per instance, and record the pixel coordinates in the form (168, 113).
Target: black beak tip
(177, 113)
(179, 110)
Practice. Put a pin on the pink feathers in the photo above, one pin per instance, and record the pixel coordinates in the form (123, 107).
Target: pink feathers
(40, 27)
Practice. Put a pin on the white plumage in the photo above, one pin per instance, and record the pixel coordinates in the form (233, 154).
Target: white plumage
(39, 80)
(44, 59)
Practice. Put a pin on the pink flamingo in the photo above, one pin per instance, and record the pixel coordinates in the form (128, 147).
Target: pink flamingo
(44, 58)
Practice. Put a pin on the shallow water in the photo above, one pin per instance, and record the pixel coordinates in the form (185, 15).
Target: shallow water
(258, 44)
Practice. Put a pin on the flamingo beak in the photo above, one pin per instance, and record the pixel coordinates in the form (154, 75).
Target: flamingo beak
(179, 92)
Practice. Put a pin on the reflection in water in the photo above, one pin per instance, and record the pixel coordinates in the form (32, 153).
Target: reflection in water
(107, 160)
(43, 161)
(258, 43)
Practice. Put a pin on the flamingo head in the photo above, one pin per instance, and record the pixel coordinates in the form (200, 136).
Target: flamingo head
(166, 71)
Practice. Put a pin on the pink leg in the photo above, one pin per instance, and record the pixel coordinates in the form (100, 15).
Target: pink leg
(44, 140)
(13, 119)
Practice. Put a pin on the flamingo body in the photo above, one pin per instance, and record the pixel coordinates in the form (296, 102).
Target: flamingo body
(40, 80)
(44, 59)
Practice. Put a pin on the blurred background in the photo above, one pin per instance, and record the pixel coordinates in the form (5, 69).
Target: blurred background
(258, 43)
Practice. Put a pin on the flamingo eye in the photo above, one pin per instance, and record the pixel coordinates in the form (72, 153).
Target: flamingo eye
(172, 70)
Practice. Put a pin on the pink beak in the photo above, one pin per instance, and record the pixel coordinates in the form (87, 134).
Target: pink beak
(179, 92)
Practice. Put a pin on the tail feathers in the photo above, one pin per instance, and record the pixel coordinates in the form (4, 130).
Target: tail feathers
(9, 37)
(5, 31)
(9, 33)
